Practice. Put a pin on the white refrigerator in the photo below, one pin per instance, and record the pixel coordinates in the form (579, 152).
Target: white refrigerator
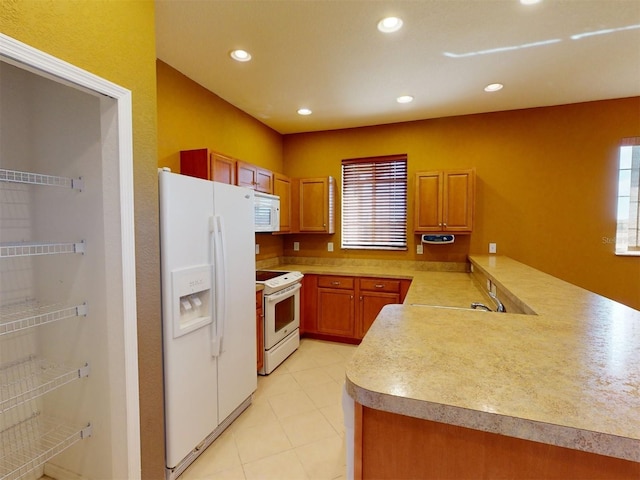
(208, 311)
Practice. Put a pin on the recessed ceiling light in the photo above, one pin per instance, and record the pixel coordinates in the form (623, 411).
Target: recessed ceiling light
(404, 99)
(304, 111)
(390, 24)
(493, 87)
(240, 55)
(529, 2)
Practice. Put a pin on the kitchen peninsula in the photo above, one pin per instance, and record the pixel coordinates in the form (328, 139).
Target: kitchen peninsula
(459, 393)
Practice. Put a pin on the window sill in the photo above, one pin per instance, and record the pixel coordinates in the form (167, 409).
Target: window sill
(627, 254)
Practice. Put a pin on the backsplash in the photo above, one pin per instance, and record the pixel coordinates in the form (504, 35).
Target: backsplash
(343, 262)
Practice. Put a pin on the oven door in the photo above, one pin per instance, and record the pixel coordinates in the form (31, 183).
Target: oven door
(281, 314)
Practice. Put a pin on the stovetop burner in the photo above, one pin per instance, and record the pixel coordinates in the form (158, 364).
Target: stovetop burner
(264, 275)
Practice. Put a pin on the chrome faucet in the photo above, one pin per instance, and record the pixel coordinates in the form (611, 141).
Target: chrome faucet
(476, 305)
(498, 302)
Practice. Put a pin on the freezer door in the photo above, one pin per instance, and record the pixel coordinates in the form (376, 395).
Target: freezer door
(190, 370)
(235, 271)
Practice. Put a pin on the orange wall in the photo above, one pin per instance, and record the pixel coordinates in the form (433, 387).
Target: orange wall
(546, 185)
(546, 177)
(116, 40)
(190, 117)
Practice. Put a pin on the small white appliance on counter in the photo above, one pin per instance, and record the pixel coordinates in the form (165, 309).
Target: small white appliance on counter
(281, 303)
(209, 330)
(266, 212)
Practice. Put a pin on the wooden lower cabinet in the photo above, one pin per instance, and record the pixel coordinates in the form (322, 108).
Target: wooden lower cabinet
(394, 447)
(375, 293)
(259, 331)
(336, 306)
(342, 307)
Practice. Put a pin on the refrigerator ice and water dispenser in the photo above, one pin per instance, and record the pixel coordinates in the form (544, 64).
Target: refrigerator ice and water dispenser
(191, 289)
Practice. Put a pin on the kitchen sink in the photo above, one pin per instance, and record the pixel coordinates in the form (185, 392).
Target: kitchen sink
(449, 307)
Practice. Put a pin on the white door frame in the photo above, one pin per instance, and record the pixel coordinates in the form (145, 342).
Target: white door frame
(61, 71)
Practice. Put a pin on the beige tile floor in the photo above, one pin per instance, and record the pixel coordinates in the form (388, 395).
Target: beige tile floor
(294, 428)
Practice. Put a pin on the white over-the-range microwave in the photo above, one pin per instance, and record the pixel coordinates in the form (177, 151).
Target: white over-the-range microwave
(267, 212)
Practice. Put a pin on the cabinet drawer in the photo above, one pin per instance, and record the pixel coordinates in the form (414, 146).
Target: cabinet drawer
(331, 281)
(380, 285)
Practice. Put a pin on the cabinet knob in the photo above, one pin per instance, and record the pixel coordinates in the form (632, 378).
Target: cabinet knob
(380, 285)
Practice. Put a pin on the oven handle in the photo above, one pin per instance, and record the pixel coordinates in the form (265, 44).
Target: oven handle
(287, 292)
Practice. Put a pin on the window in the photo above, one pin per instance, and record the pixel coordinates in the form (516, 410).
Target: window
(374, 203)
(628, 217)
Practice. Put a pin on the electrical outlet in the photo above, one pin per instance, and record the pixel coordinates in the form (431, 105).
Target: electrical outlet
(419, 249)
(257, 248)
(330, 247)
(493, 248)
(296, 246)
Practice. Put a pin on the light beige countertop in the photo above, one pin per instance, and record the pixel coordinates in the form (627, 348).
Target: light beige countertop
(568, 376)
(444, 288)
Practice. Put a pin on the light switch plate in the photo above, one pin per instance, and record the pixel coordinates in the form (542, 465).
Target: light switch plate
(257, 248)
(330, 247)
(296, 246)
(419, 249)
(493, 248)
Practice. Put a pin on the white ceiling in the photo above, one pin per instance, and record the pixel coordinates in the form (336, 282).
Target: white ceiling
(327, 55)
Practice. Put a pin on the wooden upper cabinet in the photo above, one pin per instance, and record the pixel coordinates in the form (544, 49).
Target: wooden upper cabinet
(444, 201)
(196, 163)
(317, 205)
(223, 169)
(256, 178)
(208, 165)
(428, 203)
(282, 188)
(264, 180)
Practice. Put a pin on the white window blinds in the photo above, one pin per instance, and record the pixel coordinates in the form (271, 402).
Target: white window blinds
(374, 203)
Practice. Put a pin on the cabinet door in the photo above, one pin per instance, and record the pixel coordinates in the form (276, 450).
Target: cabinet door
(282, 188)
(264, 180)
(246, 175)
(375, 293)
(370, 304)
(428, 202)
(336, 312)
(223, 169)
(195, 163)
(317, 205)
(256, 178)
(309, 304)
(458, 203)
(259, 331)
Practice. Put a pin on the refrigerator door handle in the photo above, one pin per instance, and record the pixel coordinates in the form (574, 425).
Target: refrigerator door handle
(220, 273)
